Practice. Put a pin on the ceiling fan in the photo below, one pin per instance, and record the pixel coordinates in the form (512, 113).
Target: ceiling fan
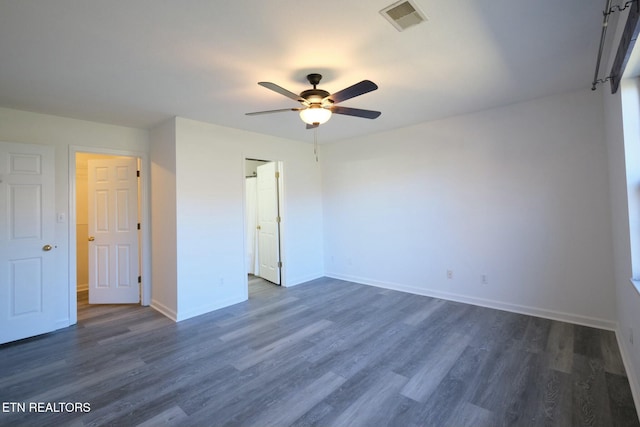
(318, 105)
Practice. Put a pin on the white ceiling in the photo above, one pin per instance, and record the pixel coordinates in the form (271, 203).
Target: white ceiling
(139, 62)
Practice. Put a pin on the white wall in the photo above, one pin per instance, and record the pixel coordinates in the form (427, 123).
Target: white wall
(61, 133)
(209, 219)
(518, 193)
(164, 295)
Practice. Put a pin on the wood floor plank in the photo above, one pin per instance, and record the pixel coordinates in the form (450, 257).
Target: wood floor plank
(525, 406)
(273, 348)
(313, 416)
(172, 417)
(587, 341)
(425, 310)
(366, 409)
(612, 359)
(294, 405)
(557, 411)
(371, 352)
(505, 368)
(621, 401)
(248, 399)
(590, 408)
(560, 346)
(536, 335)
(257, 312)
(454, 390)
(469, 415)
(435, 367)
(260, 327)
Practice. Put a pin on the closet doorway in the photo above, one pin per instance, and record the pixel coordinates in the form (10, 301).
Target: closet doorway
(107, 228)
(263, 191)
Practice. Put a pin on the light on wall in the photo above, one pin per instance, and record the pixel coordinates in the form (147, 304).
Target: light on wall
(315, 114)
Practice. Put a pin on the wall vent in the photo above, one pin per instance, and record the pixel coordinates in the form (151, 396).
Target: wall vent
(403, 14)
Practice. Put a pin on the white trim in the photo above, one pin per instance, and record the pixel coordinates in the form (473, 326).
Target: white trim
(499, 305)
(305, 279)
(145, 182)
(634, 384)
(82, 287)
(284, 280)
(208, 308)
(164, 310)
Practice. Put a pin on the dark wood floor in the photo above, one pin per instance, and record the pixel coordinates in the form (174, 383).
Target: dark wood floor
(326, 353)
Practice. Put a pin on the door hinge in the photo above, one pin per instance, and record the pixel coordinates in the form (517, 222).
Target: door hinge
(278, 219)
(138, 174)
(277, 175)
(138, 226)
(139, 279)
(279, 264)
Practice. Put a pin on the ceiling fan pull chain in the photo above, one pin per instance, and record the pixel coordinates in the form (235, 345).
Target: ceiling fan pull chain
(315, 143)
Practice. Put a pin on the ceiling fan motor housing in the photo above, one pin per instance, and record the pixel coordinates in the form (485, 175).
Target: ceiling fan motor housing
(314, 96)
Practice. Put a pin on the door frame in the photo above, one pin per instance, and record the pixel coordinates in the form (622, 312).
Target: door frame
(281, 208)
(145, 247)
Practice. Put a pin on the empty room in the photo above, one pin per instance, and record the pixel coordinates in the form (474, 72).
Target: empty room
(338, 213)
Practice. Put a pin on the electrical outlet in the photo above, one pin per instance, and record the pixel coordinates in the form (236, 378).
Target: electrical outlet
(449, 274)
(483, 279)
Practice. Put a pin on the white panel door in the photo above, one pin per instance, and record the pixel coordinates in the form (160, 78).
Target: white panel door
(27, 248)
(268, 222)
(113, 231)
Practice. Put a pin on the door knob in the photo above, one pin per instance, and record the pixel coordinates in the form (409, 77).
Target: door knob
(91, 238)
(47, 248)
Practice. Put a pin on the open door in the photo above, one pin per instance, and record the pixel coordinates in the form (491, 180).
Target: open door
(113, 231)
(27, 247)
(268, 222)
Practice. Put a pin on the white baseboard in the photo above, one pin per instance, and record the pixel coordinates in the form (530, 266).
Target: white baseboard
(204, 309)
(163, 309)
(83, 287)
(628, 367)
(499, 305)
(301, 280)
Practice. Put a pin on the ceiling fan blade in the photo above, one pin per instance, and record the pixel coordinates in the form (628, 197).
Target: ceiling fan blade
(353, 91)
(367, 114)
(313, 126)
(273, 111)
(282, 91)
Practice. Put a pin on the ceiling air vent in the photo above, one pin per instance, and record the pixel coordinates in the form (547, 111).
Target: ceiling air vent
(403, 14)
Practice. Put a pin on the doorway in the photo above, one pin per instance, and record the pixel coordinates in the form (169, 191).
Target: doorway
(136, 253)
(107, 231)
(263, 222)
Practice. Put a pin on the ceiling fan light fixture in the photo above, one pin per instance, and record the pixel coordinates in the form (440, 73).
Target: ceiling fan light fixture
(315, 114)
